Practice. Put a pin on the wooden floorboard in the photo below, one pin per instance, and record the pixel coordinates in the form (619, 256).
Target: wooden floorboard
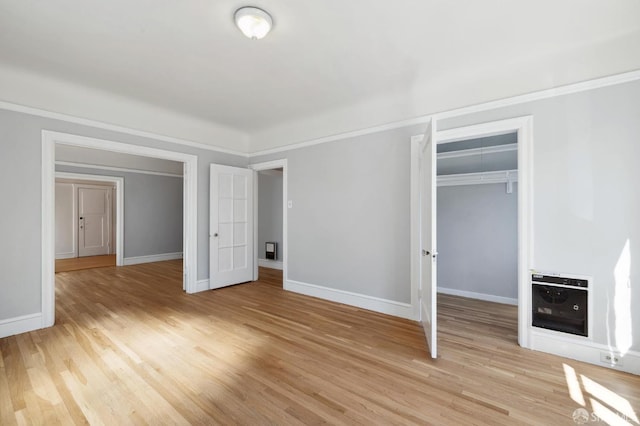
(89, 262)
(129, 347)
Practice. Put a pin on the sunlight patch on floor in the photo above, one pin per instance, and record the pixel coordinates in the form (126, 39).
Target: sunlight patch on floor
(605, 404)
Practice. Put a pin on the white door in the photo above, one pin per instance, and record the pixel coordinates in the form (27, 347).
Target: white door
(230, 226)
(428, 285)
(94, 219)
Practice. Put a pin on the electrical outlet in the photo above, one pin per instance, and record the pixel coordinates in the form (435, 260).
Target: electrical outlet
(611, 358)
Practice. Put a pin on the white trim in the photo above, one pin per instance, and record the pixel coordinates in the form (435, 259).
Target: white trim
(202, 285)
(48, 232)
(269, 165)
(21, 324)
(480, 178)
(269, 263)
(515, 100)
(119, 183)
(376, 304)
(479, 296)
(581, 349)
(190, 207)
(135, 260)
(524, 128)
(478, 151)
(486, 106)
(568, 89)
(116, 169)
(414, 207)
(67, 255)
(491, 128)
(9, 106)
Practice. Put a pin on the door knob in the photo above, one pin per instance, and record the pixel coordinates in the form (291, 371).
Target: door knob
(215, 235)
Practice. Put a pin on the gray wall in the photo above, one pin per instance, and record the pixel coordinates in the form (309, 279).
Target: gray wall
(586, 200)
(478, 163)
(20, 227)
(152, 211)
(269, 212)
(349, 225)
(478, 239)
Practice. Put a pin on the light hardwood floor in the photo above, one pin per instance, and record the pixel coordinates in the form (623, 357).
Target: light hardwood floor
(129, 347)
(89, 262)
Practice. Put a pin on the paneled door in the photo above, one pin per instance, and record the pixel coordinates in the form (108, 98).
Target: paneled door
(230, 226)
(94, 221)
(428, 284)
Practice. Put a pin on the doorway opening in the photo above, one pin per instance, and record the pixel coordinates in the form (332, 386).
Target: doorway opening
(270, 222)
(477, 229)
(89, 221)
(424, 285)
(50, 142)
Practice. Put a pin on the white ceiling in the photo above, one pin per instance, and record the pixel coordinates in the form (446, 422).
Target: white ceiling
(323, 55)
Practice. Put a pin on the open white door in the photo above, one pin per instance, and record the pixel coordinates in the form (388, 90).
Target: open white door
(428, 284)
(230, 226)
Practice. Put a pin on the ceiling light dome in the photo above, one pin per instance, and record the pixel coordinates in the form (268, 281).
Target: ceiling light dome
(253, 22)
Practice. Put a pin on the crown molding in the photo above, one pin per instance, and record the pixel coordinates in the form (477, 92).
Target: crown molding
(485, 106)
(515, 100)
(9, 106)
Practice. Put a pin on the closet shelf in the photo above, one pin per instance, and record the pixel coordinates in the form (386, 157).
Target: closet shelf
(478, 151)
(500, 176)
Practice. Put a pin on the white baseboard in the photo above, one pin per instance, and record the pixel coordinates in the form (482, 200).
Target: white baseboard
(202, 285)
(385, 306)
(479, 296)
(268, 263)
(66, 256)
(21, 324)
(152, 258)
(582, 349)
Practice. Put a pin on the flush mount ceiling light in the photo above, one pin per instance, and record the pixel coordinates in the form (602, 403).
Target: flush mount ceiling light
(253, 22)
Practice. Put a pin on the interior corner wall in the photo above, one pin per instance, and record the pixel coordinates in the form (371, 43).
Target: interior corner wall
(477, 232)
(21, 224)
(348, 228)
(152, 211)
(586, 202)
(269, 212)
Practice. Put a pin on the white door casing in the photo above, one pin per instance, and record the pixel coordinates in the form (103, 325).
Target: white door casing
(94, 220)
(231, 226)
(428, 284)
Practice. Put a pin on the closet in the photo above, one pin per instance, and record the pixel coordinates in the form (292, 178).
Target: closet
(477, 218)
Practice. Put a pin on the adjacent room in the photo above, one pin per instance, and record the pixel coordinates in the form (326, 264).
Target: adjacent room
(368, 212)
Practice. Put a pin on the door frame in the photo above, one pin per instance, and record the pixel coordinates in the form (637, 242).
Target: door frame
(269, 165)
(523, 126)
(190, 207)
(119, 184)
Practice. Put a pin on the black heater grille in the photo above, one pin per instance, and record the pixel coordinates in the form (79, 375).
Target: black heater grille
(560, 307)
